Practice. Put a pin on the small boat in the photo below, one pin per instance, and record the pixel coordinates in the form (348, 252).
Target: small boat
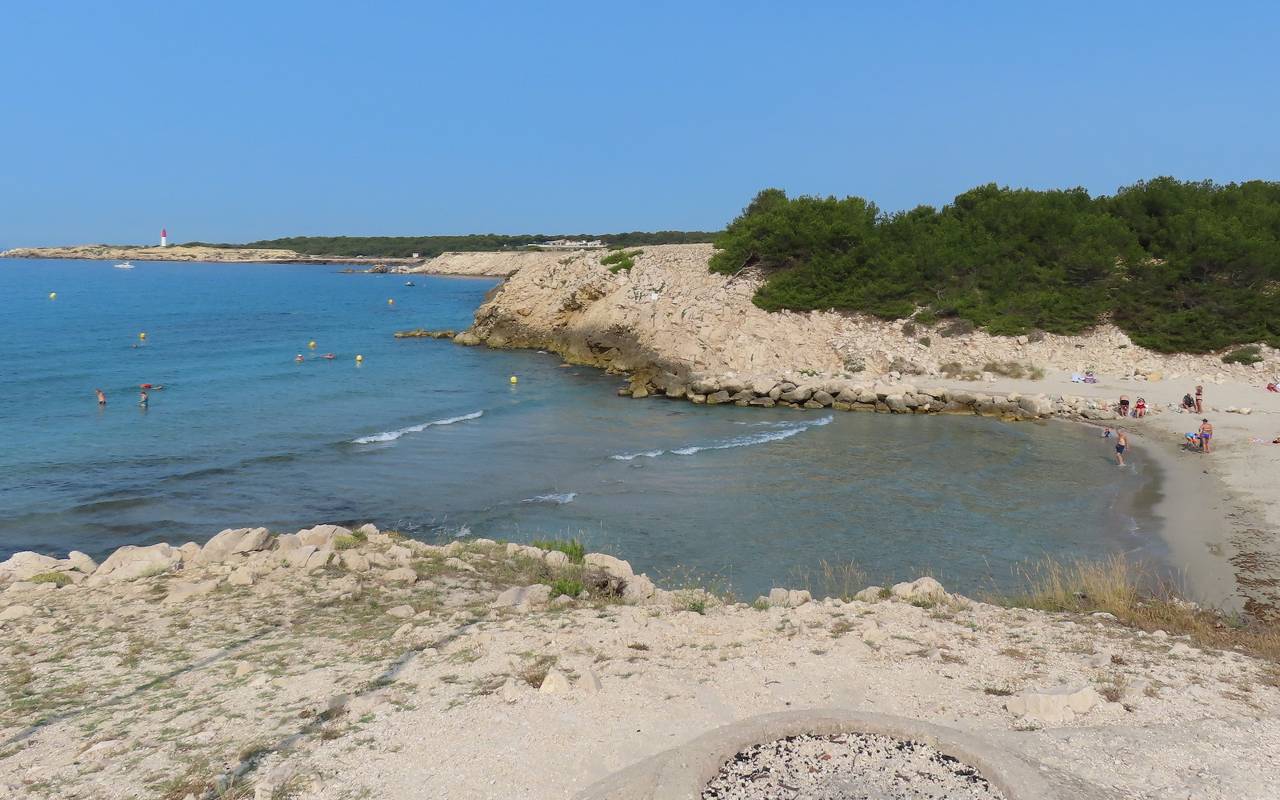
(125, 265)
(410, 283)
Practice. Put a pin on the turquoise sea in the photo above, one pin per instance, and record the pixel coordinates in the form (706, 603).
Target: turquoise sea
(432, 439)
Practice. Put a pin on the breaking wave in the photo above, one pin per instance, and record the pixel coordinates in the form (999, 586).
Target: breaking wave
(391, 436)
(749, 440)
(557, 499)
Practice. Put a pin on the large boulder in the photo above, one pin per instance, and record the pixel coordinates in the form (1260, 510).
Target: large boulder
(524, 597)
(81, 562)
(608, 564)
(1055, 705)
(232, 541)
(23, 565)
(132, 562)
(922, 589)
(321, 536)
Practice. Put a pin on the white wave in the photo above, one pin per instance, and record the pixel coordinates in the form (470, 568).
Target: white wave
(391, 436)
(558, 499)
(737, 441)
(630, 456)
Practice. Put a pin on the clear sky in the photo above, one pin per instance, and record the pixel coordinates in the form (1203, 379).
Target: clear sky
(232, 121)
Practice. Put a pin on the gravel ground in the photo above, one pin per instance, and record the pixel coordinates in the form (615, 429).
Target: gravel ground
(848, 766)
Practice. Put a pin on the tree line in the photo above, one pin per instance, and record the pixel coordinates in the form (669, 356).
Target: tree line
(430, 246)
(1180, 266)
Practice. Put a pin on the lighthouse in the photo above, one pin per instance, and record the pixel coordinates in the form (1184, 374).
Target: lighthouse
(164, 238)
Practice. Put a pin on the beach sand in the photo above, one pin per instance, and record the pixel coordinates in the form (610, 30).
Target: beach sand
(1221, 510)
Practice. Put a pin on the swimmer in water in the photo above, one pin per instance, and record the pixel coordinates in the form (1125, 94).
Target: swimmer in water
(298, 358)
(142, 398)
(102, 397)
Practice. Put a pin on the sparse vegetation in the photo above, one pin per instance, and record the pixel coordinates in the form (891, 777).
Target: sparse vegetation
(1141, 598)
(620, 260)
(1250, 354)
(573, 548)
(566, 586)
(56, 578)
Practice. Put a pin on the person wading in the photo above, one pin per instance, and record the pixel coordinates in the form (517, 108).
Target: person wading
(1122, 441)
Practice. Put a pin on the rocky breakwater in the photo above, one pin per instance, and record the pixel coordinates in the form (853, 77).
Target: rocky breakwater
(843, 394)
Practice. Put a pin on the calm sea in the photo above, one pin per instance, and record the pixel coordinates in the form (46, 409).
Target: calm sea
(434, 440)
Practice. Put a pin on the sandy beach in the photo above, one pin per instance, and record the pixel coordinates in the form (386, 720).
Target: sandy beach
(1220, 510)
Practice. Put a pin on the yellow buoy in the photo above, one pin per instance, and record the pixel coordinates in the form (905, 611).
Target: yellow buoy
(143, 335)
(359, 359)
(53, 295)
(312, 344)
(391, 301)
(514, 379)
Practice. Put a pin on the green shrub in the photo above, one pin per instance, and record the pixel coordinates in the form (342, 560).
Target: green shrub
(1249, 354)
(620, 260)
(56, 578)
(568, 586)
(345, 541)
(1179, 266)
(570, 547)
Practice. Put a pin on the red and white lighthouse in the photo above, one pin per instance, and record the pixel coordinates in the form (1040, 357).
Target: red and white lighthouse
(164, 238)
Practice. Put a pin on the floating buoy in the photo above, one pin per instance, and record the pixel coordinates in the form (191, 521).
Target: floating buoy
(359, 359)
(391, 301)
(312, 344)
(53, 295)
(514, 379)
(143, 336)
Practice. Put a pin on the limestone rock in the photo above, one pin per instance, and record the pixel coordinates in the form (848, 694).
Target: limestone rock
(400, 575)
(368, 529)
(1054, 705)
(321, 536)
(353, 561)
(556, 559)
(511, 691)
(23, 565)
(79, 562)
(401, 612)
(871, 594)
(608, 564)
(637, 588)
(556, 682)
(16, 612)
(588, 682)
(185, 590)
(242, 576)
(924, 589)
(132, 562)
(298, 556)
(524, 597)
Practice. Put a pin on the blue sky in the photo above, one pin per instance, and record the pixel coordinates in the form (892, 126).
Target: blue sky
(233, 121)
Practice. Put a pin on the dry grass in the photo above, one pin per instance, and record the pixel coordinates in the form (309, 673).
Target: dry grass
(1141, 598)
(842, 580)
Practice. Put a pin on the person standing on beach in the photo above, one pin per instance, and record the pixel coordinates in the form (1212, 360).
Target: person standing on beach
(102, 397)
(1206, 433)
(1199, 399)
(1122, 441)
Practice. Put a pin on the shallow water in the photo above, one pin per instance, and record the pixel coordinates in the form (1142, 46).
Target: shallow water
(432, 439)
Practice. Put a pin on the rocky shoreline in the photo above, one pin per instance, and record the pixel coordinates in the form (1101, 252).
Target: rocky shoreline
(245, 255)
(332, 662)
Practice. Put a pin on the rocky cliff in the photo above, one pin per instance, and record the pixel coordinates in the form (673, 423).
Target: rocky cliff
(668, 320)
